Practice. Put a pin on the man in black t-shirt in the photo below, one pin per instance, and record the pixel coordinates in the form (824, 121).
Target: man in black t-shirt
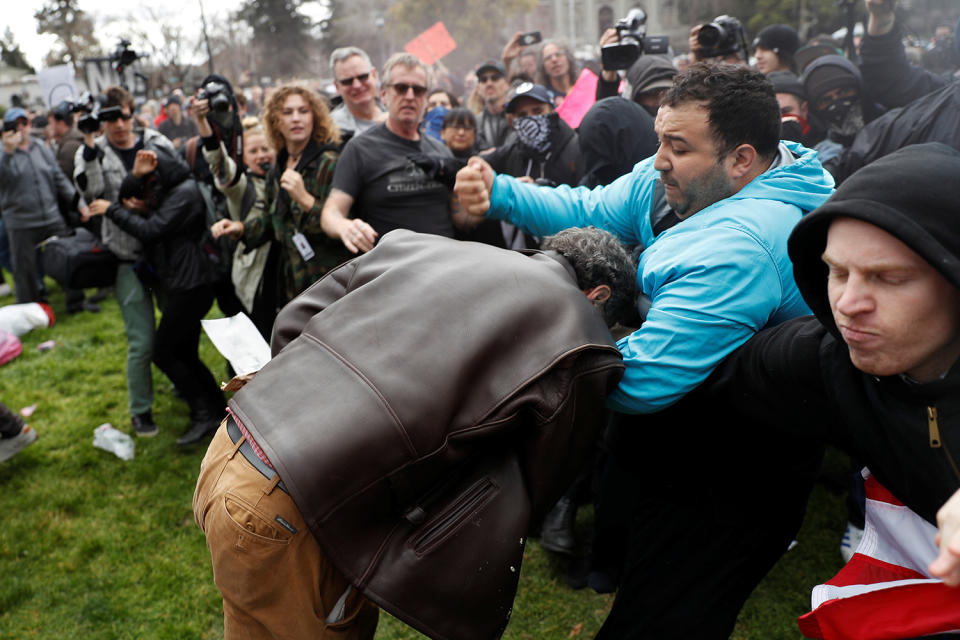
(375, 179)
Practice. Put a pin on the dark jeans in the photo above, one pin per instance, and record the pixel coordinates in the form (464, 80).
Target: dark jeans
(175, 351)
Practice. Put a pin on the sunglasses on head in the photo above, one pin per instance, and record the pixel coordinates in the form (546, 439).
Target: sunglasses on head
(360, 77)
(402, 88)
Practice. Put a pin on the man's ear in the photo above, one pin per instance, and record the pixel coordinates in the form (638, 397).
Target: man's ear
(600, 293)
(742, 161)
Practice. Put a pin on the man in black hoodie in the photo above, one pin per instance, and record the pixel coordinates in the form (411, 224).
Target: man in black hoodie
(876, 371)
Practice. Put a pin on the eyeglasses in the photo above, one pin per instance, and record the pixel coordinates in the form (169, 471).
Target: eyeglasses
(348, 82)
(489, 77)
(402, 88)
(460, 127)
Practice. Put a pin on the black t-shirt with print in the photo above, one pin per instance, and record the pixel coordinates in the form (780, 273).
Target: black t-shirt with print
(389, 191)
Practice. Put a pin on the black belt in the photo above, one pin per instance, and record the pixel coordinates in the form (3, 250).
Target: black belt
(247, 451)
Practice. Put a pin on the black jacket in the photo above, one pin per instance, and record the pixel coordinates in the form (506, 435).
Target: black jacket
(615, 134)
(172, 228)
(933, 117)
(563, 164)
(799, 377)
(887, 75)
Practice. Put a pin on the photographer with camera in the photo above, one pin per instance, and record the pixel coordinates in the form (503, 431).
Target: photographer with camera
(649, 71)
(722, 40)
(31, 189)
(254, 270)
(101, 165)
(222, 116)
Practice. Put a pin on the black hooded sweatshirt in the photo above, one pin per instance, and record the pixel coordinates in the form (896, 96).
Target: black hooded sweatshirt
(615, 134)
(799, 377)
(172, 226)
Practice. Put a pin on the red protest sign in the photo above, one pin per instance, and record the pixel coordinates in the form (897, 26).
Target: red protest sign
(432, 44)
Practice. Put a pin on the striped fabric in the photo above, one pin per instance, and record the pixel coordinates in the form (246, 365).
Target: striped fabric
(885, 592)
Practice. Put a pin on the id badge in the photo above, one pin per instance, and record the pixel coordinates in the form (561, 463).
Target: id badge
(300, 241)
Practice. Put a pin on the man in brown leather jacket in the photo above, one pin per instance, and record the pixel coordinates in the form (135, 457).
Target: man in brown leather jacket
(424, 403)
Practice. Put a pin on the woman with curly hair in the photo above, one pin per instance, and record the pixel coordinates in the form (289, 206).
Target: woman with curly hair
(299, 128)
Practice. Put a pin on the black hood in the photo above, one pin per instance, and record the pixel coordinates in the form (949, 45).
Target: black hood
(912, 194)
(615, 134)
(647, 70)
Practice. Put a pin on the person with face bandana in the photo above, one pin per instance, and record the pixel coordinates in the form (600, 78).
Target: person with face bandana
(837, 97)
(547, 150)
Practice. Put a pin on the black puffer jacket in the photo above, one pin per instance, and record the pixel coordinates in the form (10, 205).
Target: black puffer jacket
(172, 227)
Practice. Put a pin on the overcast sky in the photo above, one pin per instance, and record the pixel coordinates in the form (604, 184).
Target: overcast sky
(112, 19)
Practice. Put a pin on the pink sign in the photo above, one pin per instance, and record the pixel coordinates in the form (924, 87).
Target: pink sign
(580, 99)
(432, 44)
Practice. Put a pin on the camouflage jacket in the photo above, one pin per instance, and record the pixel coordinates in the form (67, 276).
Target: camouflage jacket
(283, 218)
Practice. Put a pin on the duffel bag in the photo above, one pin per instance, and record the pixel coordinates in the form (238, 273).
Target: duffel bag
(79, 261)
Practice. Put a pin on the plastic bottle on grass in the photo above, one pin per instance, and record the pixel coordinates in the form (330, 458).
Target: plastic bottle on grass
(117, 442)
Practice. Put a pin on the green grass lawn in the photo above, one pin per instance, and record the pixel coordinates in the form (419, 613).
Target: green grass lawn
(95, 547)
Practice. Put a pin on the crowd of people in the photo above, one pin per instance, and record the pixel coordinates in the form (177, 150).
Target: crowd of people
(700, 210)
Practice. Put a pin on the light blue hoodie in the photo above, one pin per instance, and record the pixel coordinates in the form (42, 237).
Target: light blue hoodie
(714, 279)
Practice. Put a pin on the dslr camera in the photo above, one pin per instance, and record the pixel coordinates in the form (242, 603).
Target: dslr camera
(218, 94)
(721, 37)
(633, 43)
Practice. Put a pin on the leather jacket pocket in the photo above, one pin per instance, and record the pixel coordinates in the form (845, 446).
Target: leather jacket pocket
(453, 516)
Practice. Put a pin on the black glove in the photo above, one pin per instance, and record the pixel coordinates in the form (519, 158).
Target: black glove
(443, 169)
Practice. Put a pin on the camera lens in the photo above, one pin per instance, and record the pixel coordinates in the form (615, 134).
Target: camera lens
(710, 35)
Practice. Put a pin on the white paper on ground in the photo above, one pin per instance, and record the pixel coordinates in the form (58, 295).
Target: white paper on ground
(238, 341)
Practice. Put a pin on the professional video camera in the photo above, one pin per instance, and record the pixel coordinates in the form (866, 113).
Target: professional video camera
(633, 43)
(218, 94)
(89, 106)
(123, 56)
(722, 37)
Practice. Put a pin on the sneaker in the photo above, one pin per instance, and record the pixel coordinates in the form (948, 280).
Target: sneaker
(143, 425)
(10, 447)
(851, 540)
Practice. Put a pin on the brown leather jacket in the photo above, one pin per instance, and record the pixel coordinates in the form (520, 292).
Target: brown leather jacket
(443, 398)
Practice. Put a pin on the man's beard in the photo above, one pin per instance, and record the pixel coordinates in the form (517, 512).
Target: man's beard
(712, 186)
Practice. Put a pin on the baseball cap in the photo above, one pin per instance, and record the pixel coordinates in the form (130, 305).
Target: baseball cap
(527, 90)
(15, 113)
(492, 65)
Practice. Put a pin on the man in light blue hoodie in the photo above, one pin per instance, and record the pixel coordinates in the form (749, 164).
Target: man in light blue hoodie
(713, 210)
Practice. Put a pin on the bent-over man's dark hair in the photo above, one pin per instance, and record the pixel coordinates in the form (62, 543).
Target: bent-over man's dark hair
(598, 258)
(741, 103)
